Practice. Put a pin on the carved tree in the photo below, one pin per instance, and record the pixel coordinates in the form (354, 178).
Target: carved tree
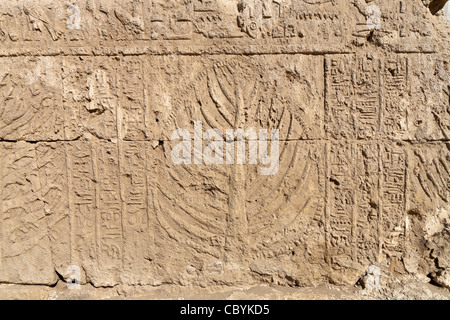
(257, 208)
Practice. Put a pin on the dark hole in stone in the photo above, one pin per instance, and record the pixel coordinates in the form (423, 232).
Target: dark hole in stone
(335, 181)
(415, 213)
(370, 37)
(436, 5)
(392, 71)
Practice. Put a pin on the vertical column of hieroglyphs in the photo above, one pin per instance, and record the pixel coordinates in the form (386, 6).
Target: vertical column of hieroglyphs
(90, 102)
(395, 92)
(109, 210)
(368, 203)
(82, 199)
(366, 107)
(393, 187)
(90, 97)
(366, 98)
(340, 185)
(339, 91)
(353, 116)
(352, 97)
(395, 96)
(51, 161)
(138, 244)
(131, 112)
(341, 202)
(133, 176)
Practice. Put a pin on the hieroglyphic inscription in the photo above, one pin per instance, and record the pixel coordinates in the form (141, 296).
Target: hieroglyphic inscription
(366, 97)
(353, 96)
(92, 90)
(306, 22)
(296, 19)
(396, 92)
(393, 188)
(169, 23)
(90, 97)
(138, 244)
(368, 203)
(132, 111)
(109, 212)
(341, 202)
(362, 218)
(82, 194)
(51, 160)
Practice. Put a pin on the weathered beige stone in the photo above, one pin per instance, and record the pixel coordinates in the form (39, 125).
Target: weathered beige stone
(91, 92)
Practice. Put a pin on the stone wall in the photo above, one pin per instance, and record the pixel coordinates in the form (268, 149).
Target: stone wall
(91, 92)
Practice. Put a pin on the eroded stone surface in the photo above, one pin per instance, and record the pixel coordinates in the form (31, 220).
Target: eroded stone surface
(91, 92)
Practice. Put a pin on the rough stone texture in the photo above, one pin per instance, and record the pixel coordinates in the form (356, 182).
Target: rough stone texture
(91, 91)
